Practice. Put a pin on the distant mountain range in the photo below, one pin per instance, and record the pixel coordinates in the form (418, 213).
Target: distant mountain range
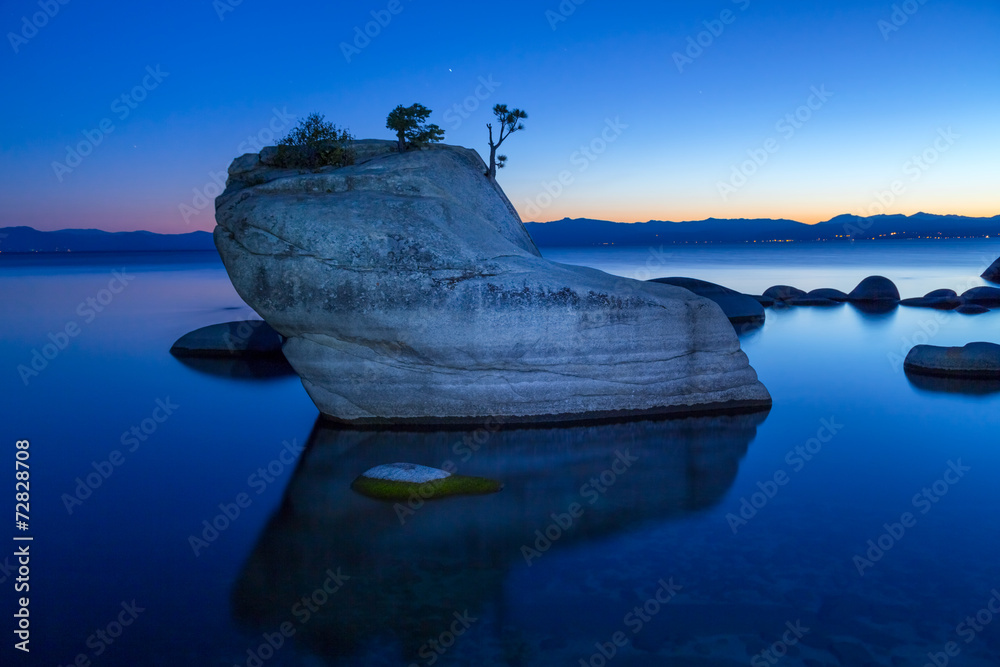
(27, 239)
(586, 232)
(569, 232)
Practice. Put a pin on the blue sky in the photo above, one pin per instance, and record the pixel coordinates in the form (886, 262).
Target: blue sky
(893, 106)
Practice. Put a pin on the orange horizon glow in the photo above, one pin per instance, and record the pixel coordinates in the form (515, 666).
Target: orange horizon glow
(773, 213)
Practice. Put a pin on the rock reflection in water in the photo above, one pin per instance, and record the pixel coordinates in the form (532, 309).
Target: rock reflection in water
(953, 385)
(411, 568)
(240, 369)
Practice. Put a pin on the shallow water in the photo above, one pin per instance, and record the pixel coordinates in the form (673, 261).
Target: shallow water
(849, 447)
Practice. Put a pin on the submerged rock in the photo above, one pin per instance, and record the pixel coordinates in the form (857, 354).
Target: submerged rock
(975, 360)
(410, 292)
(247, 338)
(402, 481)
(988, 297)
(875, 289)
(405, 472)
(739, 308)
(941, 302)
(992, 274)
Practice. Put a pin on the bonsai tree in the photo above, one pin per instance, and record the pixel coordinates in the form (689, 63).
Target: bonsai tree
(315, 143)
(410, 124)
(510, 122)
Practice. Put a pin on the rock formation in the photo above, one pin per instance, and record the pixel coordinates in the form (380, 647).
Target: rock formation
(975, 360)
(783, 292)
(987, 297)
(246, 339)
(739, 308)
(829, 293)
(875, 289)
(409, 291)
(992, 274)
(940, 299)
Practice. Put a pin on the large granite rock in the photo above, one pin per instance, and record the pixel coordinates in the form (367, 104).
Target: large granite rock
(975, 360)
(409, 291)
(739, 308)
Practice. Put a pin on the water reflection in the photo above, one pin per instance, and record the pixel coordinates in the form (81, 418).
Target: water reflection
(240, 369)
(876, 310)
(949, 385)
(413, 567)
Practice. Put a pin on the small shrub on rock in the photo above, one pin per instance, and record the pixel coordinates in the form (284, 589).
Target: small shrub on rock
(315, 143)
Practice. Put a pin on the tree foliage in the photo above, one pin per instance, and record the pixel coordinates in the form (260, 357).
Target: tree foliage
(510, 122)
(315, 143)
(410, 125)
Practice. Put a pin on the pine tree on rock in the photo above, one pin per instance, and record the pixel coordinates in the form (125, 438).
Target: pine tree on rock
(410, 124)
(510, 122)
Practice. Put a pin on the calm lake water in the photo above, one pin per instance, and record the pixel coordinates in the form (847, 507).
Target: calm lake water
(854, 524)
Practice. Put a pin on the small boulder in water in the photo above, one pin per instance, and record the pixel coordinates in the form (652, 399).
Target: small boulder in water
(783, 292)
(975, 360)
(936, 302)
(875, 289)
(992, 274)
(828, 293)
(246, 338)
(939, 299)
(988, 297)
(739, 308)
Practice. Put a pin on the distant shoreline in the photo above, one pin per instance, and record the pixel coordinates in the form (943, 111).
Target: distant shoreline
(569, 233)
(25, 253)
(593, 246)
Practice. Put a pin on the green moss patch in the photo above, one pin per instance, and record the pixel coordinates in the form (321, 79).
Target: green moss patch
(455, 485)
